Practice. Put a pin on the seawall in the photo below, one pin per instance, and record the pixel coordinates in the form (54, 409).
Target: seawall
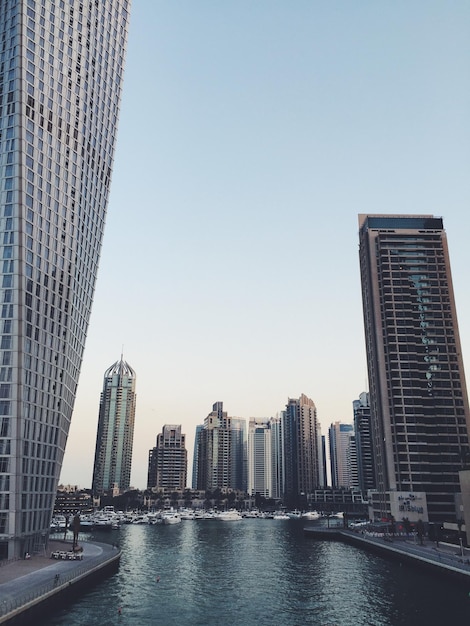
(446, 560)
(25, 598)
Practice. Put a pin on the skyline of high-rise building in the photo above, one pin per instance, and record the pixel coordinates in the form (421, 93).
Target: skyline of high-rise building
(60, 88)
(221, 455)
(418, 396)
(259, 457)
(343, 461)
(302, 448)
(168, 460)
(362, 433)
(115, 434)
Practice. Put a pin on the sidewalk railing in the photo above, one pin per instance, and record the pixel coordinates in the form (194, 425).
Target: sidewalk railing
(42, 589)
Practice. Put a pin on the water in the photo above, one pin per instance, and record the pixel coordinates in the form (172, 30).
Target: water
(256, 573)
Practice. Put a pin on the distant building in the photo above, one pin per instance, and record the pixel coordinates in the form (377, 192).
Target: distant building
(68, 502)
(221, 452)
(303, 466)
(418, 396)
(168, 461)
(362, 433)
(114, 439)
(277, 458)
(196, 456)
(343, 458)
(259, 457)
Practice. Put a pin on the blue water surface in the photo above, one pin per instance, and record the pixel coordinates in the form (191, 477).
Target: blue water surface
(255, 573)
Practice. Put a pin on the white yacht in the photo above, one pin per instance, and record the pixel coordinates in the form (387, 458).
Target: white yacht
(171, 517)
(228, 516)
(280, 515)
(311, 515)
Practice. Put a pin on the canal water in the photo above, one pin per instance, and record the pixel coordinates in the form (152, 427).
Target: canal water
(257, 573)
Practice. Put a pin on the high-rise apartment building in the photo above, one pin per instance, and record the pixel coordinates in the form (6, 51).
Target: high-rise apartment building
(277, 458)
(115, 436)
(221, 451)
(343, 458)
(168, 461)
(61, 71)
(197, 437)
(362, 433)
(259, 457)
(303, 467)
(418, 397)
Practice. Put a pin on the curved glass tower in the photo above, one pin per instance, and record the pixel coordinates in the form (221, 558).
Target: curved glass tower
(61, 67)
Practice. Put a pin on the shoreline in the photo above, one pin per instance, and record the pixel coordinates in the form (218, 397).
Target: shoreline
(447, 559)
(31, 588)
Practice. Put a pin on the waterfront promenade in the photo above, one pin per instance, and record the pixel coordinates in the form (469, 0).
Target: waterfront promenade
(33, 586)
(444, 558)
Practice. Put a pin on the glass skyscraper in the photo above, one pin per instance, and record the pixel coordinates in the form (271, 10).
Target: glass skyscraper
(115, 436)
(418, 397)
(61, 68)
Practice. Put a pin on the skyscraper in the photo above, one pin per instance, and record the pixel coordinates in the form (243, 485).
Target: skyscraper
(362, 433)
(168, 461)
(61, 70)
(115, 436)
(221, 451)
(302, 449)
(419, 405)
(259, 457)
(343, 458)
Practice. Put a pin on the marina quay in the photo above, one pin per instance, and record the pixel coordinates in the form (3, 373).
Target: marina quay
(39, 585)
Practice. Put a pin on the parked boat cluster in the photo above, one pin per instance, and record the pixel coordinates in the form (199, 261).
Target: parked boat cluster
(109, 519)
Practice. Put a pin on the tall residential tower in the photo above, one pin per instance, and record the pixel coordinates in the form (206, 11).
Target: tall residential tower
(61, 68)
(418, 398)
(115, 436)
(168, 461)
(303, 465)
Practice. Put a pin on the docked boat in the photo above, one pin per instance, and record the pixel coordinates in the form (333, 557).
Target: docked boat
(311, 516)
(280, 516)
(171, 517)
(228, 516)
(296, 514)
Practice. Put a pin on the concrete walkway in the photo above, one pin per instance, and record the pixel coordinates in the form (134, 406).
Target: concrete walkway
(24, 583)
(444, 557)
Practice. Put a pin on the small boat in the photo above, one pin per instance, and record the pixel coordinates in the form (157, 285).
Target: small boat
(296, 514)
(280, 516)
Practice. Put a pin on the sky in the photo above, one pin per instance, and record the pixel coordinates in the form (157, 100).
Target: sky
(252, 133)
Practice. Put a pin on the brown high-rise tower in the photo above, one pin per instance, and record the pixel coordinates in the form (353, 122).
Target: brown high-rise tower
(419, 404)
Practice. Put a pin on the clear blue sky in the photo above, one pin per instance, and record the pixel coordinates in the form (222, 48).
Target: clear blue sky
(251, 135)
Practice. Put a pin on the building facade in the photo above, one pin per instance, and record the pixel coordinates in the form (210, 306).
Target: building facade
(418, 397)
(168, 461)
(343, 459)
(60, 88)
(362, 433)
(115, 436)
(221, 452)
(303, 467)
(259, 457)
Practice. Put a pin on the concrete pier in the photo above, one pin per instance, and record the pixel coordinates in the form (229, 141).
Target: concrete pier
(29, 588)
